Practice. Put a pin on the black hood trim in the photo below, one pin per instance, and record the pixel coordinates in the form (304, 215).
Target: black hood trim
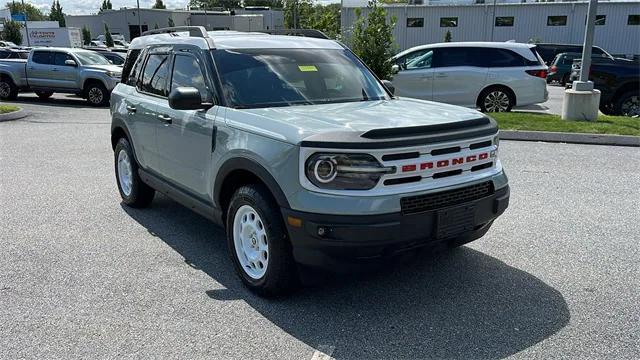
(405, 136)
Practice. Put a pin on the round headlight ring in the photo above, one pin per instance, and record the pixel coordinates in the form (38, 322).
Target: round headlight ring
(325, 169)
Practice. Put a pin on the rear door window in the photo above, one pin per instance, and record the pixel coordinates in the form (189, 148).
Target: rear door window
(155, 75)
(460, 56)
(42, 57)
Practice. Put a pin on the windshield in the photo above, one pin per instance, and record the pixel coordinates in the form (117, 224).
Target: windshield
(253, 78)
(91, 58)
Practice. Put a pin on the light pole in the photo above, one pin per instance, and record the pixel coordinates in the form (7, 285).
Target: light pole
(582, 101)
(139, 22)
(26, 27)
(493, 19)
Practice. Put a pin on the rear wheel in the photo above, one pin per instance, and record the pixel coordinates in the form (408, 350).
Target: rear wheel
(133, 191)
(628, 104)
(8, 90)
(44, 94)
(495, 99)
(258, 242)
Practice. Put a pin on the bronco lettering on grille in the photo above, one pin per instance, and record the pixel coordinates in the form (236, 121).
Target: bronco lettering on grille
(448, 162)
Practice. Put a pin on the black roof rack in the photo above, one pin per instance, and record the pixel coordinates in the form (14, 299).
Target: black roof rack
(195, 31)
(312, 33)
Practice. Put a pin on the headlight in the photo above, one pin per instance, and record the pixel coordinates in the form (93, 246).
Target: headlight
(345, 171)
(114, 74)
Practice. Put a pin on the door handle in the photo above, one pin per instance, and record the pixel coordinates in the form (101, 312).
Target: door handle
(55, 70)
(165, 118)
(441, 75)
(131, 109)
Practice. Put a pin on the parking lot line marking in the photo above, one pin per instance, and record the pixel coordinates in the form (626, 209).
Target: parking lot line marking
(323, 352)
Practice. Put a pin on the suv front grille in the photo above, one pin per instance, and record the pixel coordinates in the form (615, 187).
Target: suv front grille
(420, 203)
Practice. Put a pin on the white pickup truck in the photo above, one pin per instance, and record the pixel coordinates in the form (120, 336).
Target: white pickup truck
(66, 70)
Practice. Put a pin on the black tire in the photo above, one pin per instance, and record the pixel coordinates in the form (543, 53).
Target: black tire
(140, 194)
(44, 95)
(8, 90)
(502, 95)
(281, 275)
(96, 94)
(628, 104)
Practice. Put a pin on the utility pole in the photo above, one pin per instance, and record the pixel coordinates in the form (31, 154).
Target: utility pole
(493, 19)
(139, 22)
(588, 41)
(26, 27)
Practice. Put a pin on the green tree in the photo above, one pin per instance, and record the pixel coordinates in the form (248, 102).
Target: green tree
(86, 35)
(56, 13)
(106, 5)
(304, 11)
(171, 23)
(32, 12)
(210, 4)
(372, 40)
(158, 5)
(276, 4)
(108, 39)
(447, 36)
(12, 33)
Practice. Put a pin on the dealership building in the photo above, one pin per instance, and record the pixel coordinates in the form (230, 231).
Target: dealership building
(129, 21)
(617, 30)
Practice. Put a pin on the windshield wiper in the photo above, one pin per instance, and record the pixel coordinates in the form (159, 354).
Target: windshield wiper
(364, 95)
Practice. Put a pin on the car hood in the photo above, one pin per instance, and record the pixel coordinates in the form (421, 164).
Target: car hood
(114, 68)
(297, 123)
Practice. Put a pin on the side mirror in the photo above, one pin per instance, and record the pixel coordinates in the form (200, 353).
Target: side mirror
(389, 86)
(186, 98)
(395, 68)
(70, 62)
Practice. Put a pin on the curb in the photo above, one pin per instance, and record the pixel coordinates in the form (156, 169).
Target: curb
(571, 138)
(15, 115)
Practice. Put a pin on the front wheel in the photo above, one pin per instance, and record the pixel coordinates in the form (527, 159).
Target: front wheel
(258, 242)
(133, 191)
(44, 95)
(628, 104)
(495, 100)
(97, 94)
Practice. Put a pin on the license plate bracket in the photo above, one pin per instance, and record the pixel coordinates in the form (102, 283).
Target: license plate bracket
(454, 221)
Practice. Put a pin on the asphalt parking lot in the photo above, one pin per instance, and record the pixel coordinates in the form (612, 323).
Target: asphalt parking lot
(81, 276)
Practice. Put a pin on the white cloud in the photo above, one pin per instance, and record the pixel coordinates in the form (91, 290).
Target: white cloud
(76, 7)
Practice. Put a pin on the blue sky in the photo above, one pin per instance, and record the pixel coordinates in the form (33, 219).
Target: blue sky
(91, 6)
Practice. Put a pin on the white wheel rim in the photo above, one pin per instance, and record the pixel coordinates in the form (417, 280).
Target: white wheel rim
(5, 89)
(496, 101)
(124, 172)
(251, 242)
(95, 95)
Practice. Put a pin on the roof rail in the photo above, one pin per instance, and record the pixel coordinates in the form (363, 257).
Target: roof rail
(195, 31)
(312, 33)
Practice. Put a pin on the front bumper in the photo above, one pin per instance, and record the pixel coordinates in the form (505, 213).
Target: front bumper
(331, 241)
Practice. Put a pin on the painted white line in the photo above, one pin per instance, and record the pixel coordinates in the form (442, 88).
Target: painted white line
(323, 352)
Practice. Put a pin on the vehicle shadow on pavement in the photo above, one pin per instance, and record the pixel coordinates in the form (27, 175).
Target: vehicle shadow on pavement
(63, 100)
(453, 304)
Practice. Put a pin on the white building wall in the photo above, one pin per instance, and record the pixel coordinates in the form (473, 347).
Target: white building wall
(530, 21)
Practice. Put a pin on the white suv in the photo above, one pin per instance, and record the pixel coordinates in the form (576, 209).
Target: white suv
(490, 75)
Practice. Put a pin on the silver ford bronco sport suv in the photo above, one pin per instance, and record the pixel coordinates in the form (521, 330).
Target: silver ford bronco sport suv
(299, 151)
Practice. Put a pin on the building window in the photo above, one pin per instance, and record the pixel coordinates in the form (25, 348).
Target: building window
(556, 20)
(633, 20)
(449, 22)
(504, 20)
(600, 19)
(415, 22)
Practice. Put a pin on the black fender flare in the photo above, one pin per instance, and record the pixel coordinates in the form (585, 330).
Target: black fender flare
(119, 124)
(241, 163)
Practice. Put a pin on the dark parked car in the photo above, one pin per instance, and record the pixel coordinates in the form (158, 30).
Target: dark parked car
(549, 51)
(114, 57)
(619, 83)
(560, 68)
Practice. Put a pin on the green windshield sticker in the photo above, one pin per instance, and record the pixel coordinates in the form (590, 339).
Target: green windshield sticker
(306, 68)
